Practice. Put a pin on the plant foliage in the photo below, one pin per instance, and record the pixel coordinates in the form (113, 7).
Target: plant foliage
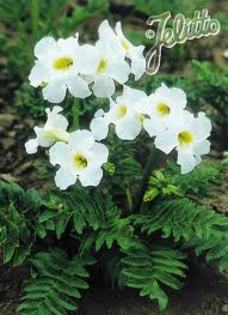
(198, 181)
(88, 214)
(191, 224)
(16, 232)
(56, 285)
(144, 250)
(148, 270)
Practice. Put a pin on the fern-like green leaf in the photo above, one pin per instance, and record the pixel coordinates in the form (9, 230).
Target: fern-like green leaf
(15, 235)
(89, 214)
(181, 218)
(197, 181)
(57, 284)
(215, 248)
(148, 271)
(17, 206)
(193, 224)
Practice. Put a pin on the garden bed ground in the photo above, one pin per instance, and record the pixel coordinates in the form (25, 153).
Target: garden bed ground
(205, 294)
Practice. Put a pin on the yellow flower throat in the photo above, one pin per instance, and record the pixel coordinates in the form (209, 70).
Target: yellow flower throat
(63, 63)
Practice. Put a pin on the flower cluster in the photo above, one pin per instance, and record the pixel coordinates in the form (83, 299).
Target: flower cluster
(177, 128)
(64, 64)
(78, 154)
(164, 116)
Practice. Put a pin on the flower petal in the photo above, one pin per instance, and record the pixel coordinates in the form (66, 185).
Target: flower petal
(55, 91)
(54, 111)
(128, 128)
(134, 95)
(225, 53)
(56, 120)
(186, 160)
(64, 178)
(69, 44)
(105, 31)
(174, 97)
(60, 154)
(119, 71)
(44, 46)
(154, 127)
(110, 49)
(178, 97)
(99, 128)
(125, 43)
(201, 126)
(138, 62)
(87, 59)
(100, 152)
(91, 177)
(201, 148)
(165, 142)
(31, 146)
(38, 75)
(43, 141)
(78, 87)
(81, 140)
(103, 87)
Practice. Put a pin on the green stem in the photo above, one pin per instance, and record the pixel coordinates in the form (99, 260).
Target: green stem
(35, 14)
(129, 198)
(75, 114)
(151, 164)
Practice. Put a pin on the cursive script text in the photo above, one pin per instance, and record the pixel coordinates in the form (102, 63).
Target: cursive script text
(183, 29)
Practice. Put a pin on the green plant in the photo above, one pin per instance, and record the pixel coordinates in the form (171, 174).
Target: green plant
(175, 6)
(144, 222)
(96, 227)
(149, 270)
(56, 283)
(198, 181)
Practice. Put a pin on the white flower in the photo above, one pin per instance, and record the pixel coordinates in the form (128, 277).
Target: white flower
(81, 159)
(134, 53)
(111, 67)
(125, 113)
(164, 105)
(189, 136)
(58, 66)
(53, 130)
(99, 125)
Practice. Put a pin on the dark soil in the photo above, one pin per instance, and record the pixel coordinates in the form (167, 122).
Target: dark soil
(205, 294)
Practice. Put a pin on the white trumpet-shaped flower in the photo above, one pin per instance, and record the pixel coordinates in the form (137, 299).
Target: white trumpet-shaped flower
(81, 159)
(188, 135)
(163, 107)
(133, 53)
(58, 67)
(125, 113)
(111, 67)
(53, 130)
